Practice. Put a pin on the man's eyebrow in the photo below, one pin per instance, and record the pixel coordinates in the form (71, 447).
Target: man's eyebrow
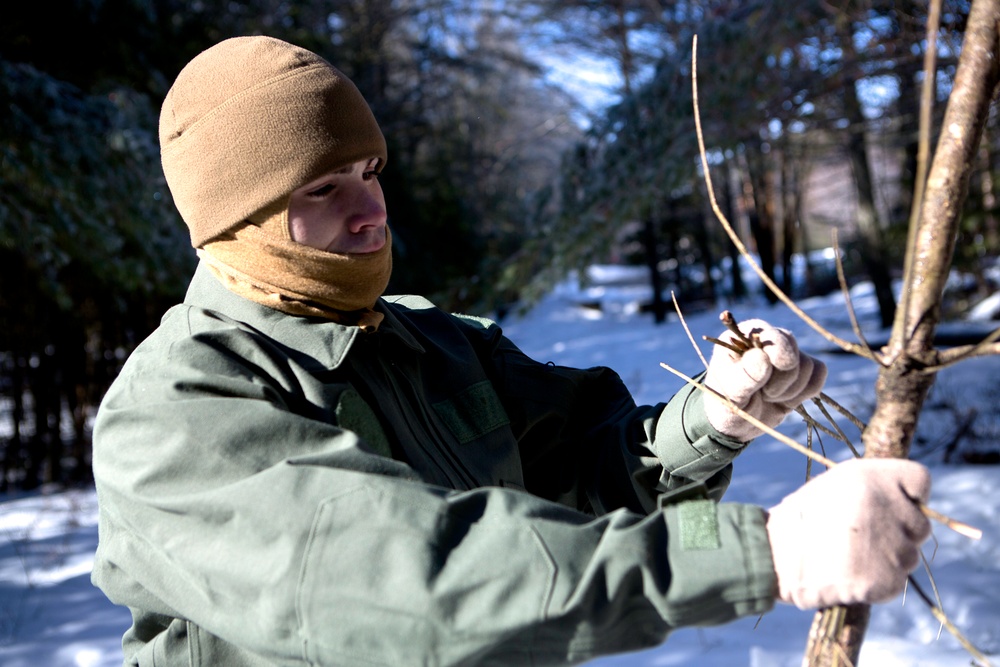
(344, 170)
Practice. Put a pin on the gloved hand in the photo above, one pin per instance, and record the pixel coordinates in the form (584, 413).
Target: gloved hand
(767, 382)
(851, 535)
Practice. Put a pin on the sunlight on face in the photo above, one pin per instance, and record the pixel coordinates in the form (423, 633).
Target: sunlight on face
(341, 212)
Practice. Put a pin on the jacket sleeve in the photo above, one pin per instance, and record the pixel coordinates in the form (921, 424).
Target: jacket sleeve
(287, 537)
(585, 443)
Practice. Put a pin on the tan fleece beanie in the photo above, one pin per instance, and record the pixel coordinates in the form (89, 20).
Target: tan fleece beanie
(251, 119)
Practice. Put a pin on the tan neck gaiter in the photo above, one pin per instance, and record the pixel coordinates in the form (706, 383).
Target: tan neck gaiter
(260, 262)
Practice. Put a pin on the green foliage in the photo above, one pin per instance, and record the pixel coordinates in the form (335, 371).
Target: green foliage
(81, 184)
(91, 251)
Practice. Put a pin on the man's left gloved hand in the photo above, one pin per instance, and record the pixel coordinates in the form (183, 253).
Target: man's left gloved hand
(850, 535)
(767, 382)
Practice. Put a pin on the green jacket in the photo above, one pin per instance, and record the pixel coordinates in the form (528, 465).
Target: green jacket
(276, 490)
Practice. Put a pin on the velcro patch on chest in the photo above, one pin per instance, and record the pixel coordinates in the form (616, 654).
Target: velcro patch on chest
(473, 412)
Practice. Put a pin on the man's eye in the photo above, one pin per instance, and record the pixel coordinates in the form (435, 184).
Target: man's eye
(321, 191)
(369, 175)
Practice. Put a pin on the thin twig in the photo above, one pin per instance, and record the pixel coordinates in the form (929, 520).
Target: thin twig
(825, 333)
(842, 279)
(842, 410)
(732, 324)
(957, 526)
(725, 344)
(687, 330)
(808, 419)
(943, 619)
(727, 319)
(951, 356)
(809, 446)
(933, 582)
(842, 436)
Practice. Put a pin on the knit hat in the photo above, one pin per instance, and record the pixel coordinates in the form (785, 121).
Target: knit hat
(251, 119)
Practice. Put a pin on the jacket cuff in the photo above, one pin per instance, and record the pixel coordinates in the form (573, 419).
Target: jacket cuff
(700, 451)
(721, 563)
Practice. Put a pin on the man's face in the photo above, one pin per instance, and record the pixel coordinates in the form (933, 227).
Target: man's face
(341, 212)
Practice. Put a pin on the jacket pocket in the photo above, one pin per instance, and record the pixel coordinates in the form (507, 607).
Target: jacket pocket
(207, 650)
(407, 575)
(170, 648)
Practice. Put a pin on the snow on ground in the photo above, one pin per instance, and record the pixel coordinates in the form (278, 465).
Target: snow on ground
(50, 614)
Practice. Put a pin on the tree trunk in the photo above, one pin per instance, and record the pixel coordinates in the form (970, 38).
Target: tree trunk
(869, 225)
(707, 262)
(986, 191)
(903, 385)
(659, 305)
(736, 275)
(988, 199)
(790, 209)
(761, 214)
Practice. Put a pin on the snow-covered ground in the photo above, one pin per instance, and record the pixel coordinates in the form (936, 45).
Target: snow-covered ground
(51, 616)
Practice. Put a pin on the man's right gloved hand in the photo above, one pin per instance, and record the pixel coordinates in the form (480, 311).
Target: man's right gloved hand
(767, 382)
(851, 535)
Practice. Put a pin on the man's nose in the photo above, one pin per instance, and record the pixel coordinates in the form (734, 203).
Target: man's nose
(369, 211)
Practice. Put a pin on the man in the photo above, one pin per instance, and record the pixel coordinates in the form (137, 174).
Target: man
(296, 470)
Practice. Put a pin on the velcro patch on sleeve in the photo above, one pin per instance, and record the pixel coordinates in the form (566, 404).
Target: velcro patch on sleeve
(699, 525)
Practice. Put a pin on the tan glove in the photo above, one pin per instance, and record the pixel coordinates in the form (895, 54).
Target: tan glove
(851, 535)
(766, 382)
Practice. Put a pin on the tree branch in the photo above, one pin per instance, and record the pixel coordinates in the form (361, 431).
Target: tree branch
(845, 345)
(948, 180)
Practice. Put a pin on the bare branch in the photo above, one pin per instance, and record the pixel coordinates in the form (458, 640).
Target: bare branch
(677, 307)
(987, 346)
(807, 418)
(841, 435)
(923, 153)
(816, 326)
(842, 279)
(727, 319)
(957, 526)
(722, 343)
(842, 410)
(943, 619)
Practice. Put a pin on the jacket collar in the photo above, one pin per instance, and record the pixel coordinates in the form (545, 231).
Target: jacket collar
(326, 342)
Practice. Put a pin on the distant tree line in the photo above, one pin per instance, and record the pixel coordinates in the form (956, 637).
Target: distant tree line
(785, 88)
(498, 184)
